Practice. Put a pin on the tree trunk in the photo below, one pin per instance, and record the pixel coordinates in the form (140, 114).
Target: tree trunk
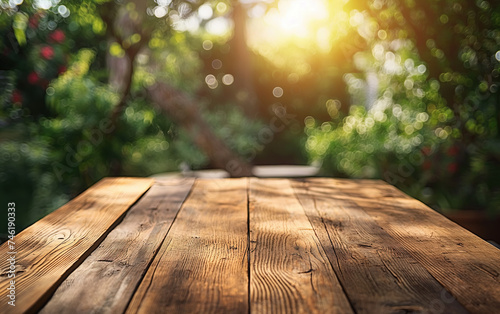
(241, 62)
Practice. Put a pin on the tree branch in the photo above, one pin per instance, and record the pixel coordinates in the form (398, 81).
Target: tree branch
(184, 111)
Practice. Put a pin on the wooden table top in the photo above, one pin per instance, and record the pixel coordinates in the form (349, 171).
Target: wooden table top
(245, 245)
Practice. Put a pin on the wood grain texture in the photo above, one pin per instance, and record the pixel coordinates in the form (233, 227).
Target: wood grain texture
(202, 266)
(289, 271)
(467, 266)
(120, 262)
(377, 273)
(50, 249)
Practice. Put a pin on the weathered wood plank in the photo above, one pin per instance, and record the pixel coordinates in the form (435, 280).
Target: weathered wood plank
(377, 273)
(202, 266)
(50, 249)
(464, 264)
(289, 271)
(119, 263)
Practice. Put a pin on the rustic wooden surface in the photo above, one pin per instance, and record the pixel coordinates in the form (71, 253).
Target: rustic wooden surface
(378, 274)
(49, 250)
(250, 246)
(202, 266)
(465, 265)
(119, 263)
(289, 270)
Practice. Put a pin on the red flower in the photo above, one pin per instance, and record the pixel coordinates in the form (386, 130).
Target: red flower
(57, 36)
(47, 52)
(17, 97)
(452, 168)
(427, 165)
(33, 78)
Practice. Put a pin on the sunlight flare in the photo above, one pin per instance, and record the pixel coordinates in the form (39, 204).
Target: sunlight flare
(306, 25)
(297, 17)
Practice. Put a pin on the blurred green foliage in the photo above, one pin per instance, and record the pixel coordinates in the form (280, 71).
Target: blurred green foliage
(425, 112)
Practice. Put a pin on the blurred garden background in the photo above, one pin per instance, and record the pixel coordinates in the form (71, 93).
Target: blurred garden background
(401, 90)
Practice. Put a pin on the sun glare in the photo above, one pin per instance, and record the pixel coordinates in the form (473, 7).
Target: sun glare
(309, 24)
(297, 17)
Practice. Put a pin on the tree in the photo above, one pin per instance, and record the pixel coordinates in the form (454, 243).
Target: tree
(242, 61)
(131, 25)
(435, 58)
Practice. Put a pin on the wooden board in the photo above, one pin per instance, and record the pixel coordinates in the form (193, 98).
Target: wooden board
(377, 273)
(467, 266)
(49, 250)
(120, 262)
(202, 266)
(289, 271)
(250, 245)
